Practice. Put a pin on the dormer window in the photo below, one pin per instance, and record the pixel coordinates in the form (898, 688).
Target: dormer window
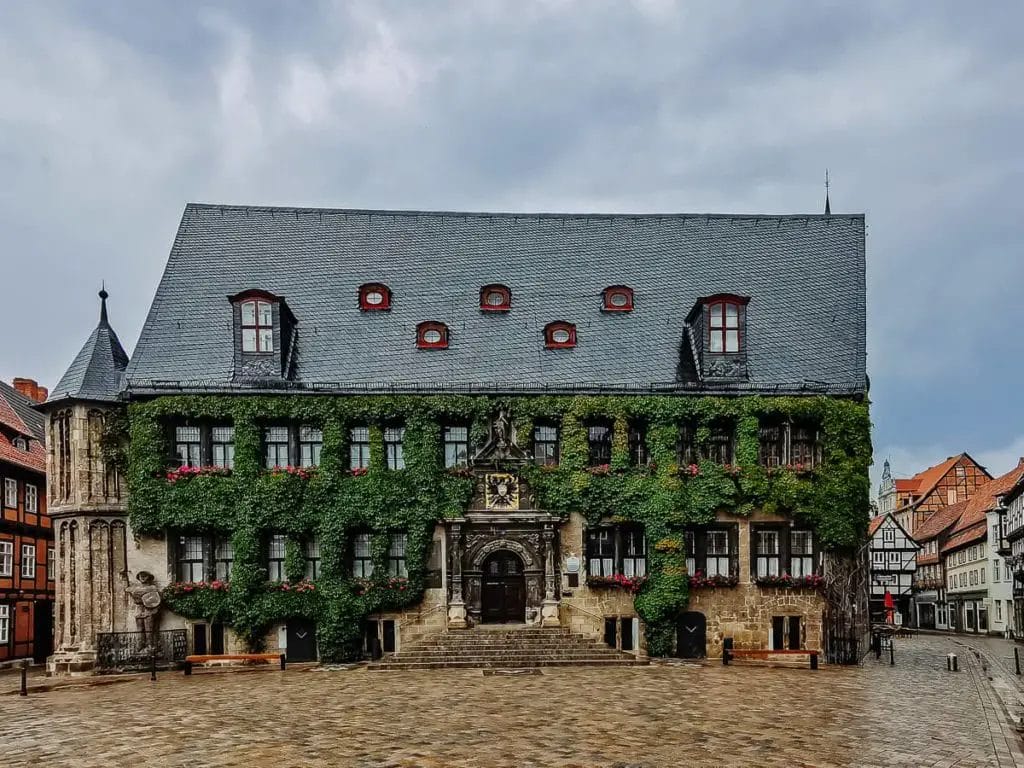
(374, 297)
(257, 326)
(724, 326)
(432, 335)
(618, 298)
(495, 298)
(21, 443)
(559, 335)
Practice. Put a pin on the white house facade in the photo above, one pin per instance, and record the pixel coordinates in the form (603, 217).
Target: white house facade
(893, 564)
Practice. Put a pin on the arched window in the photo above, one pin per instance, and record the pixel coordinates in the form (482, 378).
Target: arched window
(374, 297)
(61, 426)
(432, 335)
(257, 326)
(495, 298)
(559, 335)
(618, 298)
(724, 324)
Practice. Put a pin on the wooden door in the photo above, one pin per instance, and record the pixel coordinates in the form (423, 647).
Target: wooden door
(692, 636)
(503, 593)
(42, 631)
(301, 640)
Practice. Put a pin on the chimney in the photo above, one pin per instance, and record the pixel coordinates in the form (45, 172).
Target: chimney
(30, 388)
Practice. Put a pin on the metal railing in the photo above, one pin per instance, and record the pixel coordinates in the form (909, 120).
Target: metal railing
(137, 651)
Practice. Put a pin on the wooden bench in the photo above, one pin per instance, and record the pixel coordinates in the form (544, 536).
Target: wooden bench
(204, 658)
(764, 654)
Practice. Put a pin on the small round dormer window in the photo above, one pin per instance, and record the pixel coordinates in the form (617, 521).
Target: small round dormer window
(432, 336)
(560, 336)
(374, 297)
(618, 298)
(495, 298)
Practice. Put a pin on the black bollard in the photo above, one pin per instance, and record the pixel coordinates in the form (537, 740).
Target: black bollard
(892, 658)
(24, 679)
(152, 664)
(726, 651)
(283, 659)
(1016, 659)
(814, 661)
(951, 664)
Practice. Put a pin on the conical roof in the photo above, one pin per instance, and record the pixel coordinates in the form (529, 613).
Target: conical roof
(97, 372)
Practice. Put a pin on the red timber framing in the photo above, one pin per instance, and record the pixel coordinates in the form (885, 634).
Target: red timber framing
(950, 482)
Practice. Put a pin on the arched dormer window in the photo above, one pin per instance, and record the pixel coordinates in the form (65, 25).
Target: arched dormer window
(559, 335)
(432, 335)
(495, 298)
(725, 323)
(618, 298)
(374, 297)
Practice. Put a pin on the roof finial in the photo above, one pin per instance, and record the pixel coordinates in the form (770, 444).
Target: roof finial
(828, 207)
(103, 303)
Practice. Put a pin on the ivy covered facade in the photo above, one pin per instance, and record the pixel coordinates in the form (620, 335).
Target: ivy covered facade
(427, 472)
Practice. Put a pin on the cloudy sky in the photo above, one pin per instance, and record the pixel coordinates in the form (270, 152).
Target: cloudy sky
(113, 115)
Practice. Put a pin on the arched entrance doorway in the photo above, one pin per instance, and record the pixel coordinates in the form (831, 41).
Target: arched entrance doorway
(503, 593)
(692, 636)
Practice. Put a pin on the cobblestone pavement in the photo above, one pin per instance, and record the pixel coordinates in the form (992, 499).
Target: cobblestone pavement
(913, 714)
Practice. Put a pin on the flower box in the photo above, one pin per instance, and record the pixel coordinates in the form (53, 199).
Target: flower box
(286, 586)
(698, 580)
(179, 588)
(185, 472)
(304, 472)
(618, 581)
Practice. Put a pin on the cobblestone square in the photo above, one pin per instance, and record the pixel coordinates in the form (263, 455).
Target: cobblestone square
(913, 714)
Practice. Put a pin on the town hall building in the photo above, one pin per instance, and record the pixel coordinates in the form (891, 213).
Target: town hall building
(344, 431)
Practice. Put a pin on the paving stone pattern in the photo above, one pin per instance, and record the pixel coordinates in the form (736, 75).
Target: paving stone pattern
(913, 714)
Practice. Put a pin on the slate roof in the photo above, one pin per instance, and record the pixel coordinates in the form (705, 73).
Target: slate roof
(97, 372)
(805, 276)
(17, 418)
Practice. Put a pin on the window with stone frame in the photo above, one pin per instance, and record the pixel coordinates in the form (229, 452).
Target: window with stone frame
(393, 447)
(767, 555)
(805, 444)
(359, 447)
(717, 560)
(396, 555)
(223, 557)
(638, 453)
(599, 443)
(188, 445)
(275, 446)
(712, 550)
(687, 445)
(801, 552)
(719, 444)
(62, 453)
(771, 442)
(51, 564)
(190, 558)
(311, 445)
(456, 445)
(313, 558)
(362, 556)
(619, 550)
(545, 444)
(276, 548)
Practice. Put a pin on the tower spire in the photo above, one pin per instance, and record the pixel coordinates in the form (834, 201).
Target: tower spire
(828, 207)
(103, 303)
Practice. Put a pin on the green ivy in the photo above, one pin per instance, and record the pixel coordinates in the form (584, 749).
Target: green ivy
(663, 496)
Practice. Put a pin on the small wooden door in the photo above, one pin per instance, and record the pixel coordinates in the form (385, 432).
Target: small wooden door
(42, 631)
(692, 636)
(301, 640)
(503, 596)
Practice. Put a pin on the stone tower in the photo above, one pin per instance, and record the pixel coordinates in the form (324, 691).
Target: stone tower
(87, 501)
(886, 491)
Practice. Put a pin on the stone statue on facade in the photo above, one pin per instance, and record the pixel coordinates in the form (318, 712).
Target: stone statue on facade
(146, 597)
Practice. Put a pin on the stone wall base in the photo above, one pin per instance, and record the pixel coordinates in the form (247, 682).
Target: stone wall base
(71, 664)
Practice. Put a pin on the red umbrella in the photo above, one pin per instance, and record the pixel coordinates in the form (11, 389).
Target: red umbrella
(890, 607)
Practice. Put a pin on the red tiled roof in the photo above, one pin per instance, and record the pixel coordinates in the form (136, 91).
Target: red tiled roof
(905, 485)
(940, 520)
(10, 419)
(931, 559)
(19, 420)
(873, 525)
(34, 458)
(985, 498)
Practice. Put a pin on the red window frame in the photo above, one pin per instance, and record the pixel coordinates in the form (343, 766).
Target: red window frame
(618, 290)
(506, 296)
(366, 289)
(256, 326)
(717, 310)
(552, 328)
(423, 328)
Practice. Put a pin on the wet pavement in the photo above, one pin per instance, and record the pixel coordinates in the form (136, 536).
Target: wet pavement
(912, 714)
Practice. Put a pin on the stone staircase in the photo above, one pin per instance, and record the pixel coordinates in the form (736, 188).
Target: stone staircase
(505, 647)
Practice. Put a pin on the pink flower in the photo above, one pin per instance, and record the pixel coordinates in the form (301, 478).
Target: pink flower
(693, 469)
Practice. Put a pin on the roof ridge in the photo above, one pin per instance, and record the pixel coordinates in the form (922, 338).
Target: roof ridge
(516, 214)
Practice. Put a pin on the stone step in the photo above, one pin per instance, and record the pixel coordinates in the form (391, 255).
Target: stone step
(406, 656)
(527, 646)
(486, 664)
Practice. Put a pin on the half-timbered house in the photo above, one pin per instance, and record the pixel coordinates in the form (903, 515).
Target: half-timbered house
(893, 563)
